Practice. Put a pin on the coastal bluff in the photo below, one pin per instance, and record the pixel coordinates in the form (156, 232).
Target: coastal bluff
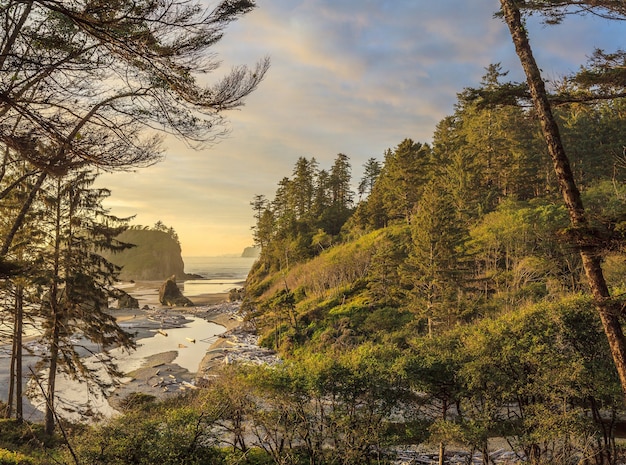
(156, 256)
(251, 252)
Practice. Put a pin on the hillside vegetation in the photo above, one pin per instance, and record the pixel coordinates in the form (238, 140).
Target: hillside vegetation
(458, 268)
(443, 306)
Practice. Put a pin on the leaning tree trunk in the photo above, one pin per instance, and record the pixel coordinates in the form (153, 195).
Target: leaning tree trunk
(582, 235)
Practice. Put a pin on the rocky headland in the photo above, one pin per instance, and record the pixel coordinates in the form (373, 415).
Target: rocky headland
(155, 255)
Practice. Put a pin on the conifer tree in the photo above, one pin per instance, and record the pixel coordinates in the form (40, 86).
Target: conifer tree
(341, 194)
(405, 173)
(433, 268)
(371, 171)
(78, 281)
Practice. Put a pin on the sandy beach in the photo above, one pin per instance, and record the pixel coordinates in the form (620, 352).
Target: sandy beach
(159, 375)
(180, 348)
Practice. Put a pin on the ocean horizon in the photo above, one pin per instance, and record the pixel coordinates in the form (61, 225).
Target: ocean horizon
(218, 274)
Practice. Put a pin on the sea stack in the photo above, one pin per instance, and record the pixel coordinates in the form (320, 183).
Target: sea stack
(170, 295)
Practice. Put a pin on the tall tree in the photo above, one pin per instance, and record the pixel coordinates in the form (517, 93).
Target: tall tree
(371, 171)
(341, 195)
(581, 234)
(263, 228)
(433, 269)
(405, 173)
(303, 187)
(78, 280)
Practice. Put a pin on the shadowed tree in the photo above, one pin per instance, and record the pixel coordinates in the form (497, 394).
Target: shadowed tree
(91, 82)
(78, 281)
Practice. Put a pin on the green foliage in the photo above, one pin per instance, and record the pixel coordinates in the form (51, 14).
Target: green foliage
(317, 401)
(308, 211)
(136, 401)
(8, 457)
(166, 433)
(23, 443)
(460, 255)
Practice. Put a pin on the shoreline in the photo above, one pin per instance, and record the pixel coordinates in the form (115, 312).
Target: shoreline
(159, 375)
(156, 372)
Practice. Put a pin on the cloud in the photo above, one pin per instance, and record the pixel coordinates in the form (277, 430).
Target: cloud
(347, 76)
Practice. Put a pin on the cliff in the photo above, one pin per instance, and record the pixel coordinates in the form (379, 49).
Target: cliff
(251, 252)
(155, 257)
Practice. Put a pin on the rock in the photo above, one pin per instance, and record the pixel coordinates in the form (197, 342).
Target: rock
(193, 276)
(126, 300)
(251, 252)
(156, 255)
(169, 294)
(236, 294)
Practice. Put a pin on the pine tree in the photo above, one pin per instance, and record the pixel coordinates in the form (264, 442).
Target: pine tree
(341, 194)
(78, 281)
(371, 171)
(406, 171)
(433, 269)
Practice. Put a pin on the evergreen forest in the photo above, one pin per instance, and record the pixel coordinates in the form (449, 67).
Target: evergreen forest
(446, 292)
(463, 297)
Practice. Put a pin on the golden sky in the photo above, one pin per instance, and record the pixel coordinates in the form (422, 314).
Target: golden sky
(352, 77)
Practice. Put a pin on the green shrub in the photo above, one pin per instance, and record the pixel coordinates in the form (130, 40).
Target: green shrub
(136, 401)
(250, 457)
(8, 457)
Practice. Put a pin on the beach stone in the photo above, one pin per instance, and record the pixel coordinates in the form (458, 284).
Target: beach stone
(170, 295)
(127, 301)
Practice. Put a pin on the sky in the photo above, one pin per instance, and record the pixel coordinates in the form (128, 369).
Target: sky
(347, 76)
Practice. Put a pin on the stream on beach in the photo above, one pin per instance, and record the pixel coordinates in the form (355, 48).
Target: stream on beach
(189, 342)
(185, 345)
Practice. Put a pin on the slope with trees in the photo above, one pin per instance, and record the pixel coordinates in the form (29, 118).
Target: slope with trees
(464, 297)
(471, 278)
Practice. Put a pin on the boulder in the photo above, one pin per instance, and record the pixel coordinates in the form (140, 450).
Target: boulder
(126, 300)
(170, 295)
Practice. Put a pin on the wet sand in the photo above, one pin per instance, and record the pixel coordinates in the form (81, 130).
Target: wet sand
(159, 376)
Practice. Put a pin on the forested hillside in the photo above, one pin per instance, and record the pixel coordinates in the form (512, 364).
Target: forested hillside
(453, 267)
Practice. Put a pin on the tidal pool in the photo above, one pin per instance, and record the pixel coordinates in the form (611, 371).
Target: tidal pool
(190, 341)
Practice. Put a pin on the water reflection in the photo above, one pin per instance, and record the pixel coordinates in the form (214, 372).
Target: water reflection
(190, 341)
(196, 287)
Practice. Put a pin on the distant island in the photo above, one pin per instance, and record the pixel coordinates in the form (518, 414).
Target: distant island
(250, 252)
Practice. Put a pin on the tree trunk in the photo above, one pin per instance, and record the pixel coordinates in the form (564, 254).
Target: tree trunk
(19, 375)
(584, 237)
(50, 392)
(8, 412)
(15, 370)
(55, 318)
(442, 445)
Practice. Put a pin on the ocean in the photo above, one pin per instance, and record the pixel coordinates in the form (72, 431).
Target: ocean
(219, 274)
